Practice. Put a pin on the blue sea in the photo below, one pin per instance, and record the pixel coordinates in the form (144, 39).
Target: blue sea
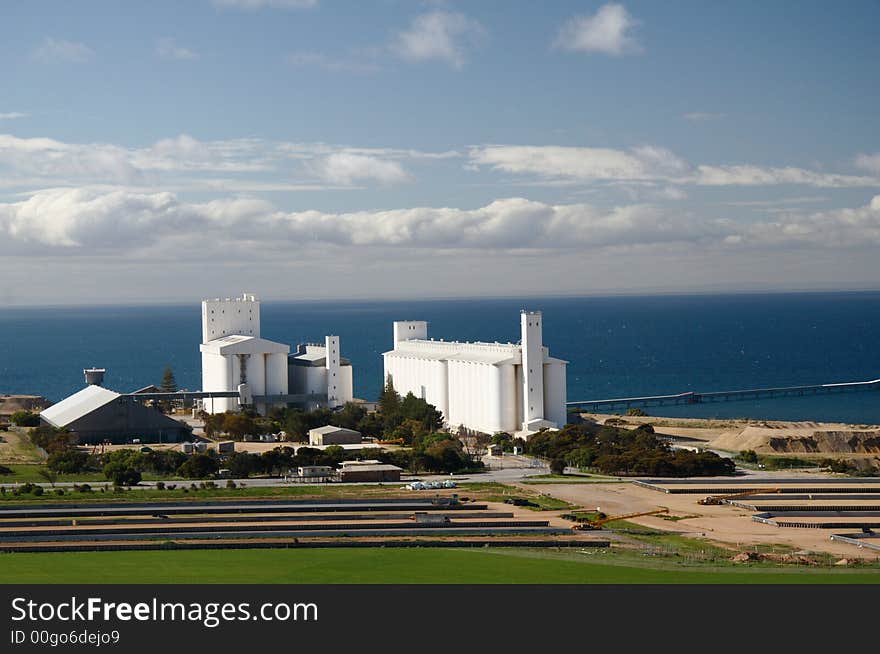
(616, 346)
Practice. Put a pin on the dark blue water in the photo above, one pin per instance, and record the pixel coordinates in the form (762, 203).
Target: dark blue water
(616, 346)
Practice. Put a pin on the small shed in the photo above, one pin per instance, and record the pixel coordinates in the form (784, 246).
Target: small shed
(315, 471)
(370, 472)
(330, 435)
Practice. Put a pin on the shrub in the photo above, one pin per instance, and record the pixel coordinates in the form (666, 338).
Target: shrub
(68, 461)
(25, 419)
(122, 475)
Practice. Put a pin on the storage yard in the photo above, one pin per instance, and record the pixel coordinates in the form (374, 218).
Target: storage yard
(271, 523)
(842, 507)
(851, 505)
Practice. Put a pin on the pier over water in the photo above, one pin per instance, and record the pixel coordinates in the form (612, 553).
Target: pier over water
(693, 397)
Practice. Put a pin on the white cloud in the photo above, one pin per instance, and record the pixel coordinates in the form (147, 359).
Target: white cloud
(671, 193)
(840, 228)
(88, 219)
(330, 64)
(260, 4)
(437, 35)
(13, 115)
(136, 224)
(703, 116)
(346, 168)
(29, 163)
(762, 176)
(555, 164)
(869, 162)
(803, 199)
(609, 31)
(167, 48)
(584, 164)
(58, 50)
(50, 158)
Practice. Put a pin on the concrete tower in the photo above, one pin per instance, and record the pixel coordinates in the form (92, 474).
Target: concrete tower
(227, 317)
(405, 330)
(331, 345)
(533, 369)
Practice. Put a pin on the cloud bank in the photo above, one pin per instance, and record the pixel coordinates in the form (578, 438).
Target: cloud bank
(87, 220)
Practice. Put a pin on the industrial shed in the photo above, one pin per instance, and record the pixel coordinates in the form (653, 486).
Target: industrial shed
(368, 471)
(330, 435)
(96, 414)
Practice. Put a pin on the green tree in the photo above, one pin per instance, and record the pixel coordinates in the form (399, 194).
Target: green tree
(415, 408)
(349, 416)
(389, 404)
(25, 419)
(557, 466)
(122, 474)
(68, 461)
(198, 466)
(169, 384)
(52, 439)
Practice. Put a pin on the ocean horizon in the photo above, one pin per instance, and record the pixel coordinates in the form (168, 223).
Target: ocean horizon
(616, 345)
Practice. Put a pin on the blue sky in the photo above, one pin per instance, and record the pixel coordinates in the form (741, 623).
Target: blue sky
(312, 148)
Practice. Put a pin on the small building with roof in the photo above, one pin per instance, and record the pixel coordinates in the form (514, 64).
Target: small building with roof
(368, 471)
(330, 435)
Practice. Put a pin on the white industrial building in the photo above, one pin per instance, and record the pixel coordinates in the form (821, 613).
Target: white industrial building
(235, 358)
(316, 369)
(486, 387)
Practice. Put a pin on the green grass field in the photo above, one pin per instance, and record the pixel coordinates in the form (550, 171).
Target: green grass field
(24, 472)
(390, 566)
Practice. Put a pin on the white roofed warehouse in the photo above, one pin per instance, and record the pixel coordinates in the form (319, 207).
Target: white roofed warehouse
(96, 414)
(330, 435)
(486, 387)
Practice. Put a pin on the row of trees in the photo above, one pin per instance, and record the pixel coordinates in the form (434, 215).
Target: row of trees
(618, 451)
(396, 418)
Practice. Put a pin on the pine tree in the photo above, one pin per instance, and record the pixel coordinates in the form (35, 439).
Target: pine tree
(169, 384)
(389, 404)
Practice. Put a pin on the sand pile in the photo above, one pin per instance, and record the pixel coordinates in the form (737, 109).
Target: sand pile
(772, 440)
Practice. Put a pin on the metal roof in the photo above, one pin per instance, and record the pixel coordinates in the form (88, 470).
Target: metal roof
(381, 467)
(316, 359)
(77, 405)
(490, 358)
(331, 429)
(237, 344)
